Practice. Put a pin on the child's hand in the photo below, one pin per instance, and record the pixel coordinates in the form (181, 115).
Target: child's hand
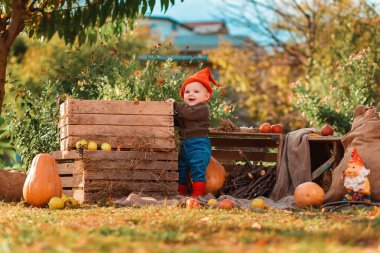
(170, 100)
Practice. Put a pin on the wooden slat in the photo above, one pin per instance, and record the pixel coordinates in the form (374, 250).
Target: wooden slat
(325, 138)
(107, 130)
(325, 166)
(122, 142)
(131, 175)
(280, 149)
(224, 142)
(224, 155)
(218, 133)
(77, 194)
(119, 120)
(124, 165)
(116, 155)
(69, 168)
(78, 106)
(115, 185)
(73, 181)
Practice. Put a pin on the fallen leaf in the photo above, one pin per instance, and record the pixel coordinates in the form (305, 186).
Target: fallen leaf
(375, 213)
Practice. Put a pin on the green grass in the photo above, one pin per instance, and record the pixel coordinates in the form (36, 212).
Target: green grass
(174, 229)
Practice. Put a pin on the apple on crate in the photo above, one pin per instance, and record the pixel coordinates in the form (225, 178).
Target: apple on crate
(327, 130)
(265, 128)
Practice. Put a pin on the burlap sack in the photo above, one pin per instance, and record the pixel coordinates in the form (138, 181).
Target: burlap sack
(11, 184)
(365, 136)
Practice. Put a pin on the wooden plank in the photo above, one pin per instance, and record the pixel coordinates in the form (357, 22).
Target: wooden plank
(124, 165)
(280, 148)
(224, 142)
(115, 119)
(132, 175)
(325, 166)
(63, 108)
(115, 185)
(69, 168)
(215, 132)
(116, 155)
(106, 130)
(325, 138)
(123, 142)
(116, 107)
(73, 181)
(226, 155)
(77, 194)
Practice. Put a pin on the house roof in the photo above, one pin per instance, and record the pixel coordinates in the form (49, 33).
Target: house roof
(208, 27)
(204, 42)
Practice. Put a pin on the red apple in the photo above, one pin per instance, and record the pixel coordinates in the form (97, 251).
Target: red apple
(192, 203)
(226, 204)
(277, 128)
(265, 128)
(327, 130)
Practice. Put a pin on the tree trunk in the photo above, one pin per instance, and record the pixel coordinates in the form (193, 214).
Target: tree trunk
(3, 70)
(8, 34)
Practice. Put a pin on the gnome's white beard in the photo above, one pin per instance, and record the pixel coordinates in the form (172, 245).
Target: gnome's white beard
(356, 183)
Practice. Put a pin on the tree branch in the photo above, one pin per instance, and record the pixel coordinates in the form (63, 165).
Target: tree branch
(17, 24)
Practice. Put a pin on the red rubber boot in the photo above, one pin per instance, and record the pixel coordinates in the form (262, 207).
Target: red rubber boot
(182, 189)
(198, 189)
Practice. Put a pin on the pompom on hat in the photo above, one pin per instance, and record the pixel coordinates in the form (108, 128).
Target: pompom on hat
(204, 77)
(355, 158)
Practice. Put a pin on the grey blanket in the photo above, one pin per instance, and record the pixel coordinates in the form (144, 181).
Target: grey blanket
(295, 165)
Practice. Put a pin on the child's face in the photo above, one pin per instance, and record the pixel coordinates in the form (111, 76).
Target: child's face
(195, 93)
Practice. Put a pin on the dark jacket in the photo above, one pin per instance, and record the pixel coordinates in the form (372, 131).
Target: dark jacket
(193, 121)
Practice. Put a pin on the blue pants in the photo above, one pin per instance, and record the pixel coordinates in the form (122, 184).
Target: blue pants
(195, 154)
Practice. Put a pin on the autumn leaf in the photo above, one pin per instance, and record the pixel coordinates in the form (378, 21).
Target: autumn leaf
(375, 213)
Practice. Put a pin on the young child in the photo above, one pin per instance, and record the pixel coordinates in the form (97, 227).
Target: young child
(193, 120)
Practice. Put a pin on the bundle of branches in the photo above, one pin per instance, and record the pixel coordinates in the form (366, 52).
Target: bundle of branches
(251, 181)
(226, 125)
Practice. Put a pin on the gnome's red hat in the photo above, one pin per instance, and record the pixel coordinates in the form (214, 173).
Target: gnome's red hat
(355, 158)
(204, 77)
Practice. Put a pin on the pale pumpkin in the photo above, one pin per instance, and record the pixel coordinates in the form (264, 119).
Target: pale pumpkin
(42, 182)
(215, 176)
(309, 194)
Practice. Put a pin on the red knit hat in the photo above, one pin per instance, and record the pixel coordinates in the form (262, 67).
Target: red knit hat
(355, 158)
(204, 77)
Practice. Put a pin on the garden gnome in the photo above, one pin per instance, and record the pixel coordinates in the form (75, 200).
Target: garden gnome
(356, 180)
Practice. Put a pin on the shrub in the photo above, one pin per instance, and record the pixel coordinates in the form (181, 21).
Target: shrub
(351, 83)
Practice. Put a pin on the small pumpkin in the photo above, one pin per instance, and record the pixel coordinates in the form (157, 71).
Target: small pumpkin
(309, 194)
(215, 176)
(42, 182)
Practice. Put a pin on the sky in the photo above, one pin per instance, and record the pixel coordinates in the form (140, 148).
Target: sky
(191, 10)
(198, 10)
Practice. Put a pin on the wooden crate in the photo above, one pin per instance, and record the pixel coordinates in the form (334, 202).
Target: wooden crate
(255, 146)
(143, 156)
(98, 175)
(123, 124)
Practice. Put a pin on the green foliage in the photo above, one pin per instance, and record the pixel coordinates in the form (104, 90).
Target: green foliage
(33, 127)
(7, 152)
(73, 19)
(350, 84)
(105, 73)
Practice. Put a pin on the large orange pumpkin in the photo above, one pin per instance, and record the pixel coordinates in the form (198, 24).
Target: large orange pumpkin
(309, 194)
(42, 182)
(215, 176)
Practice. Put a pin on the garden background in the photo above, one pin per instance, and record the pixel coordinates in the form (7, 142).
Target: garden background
(307, 63)
(312, 63)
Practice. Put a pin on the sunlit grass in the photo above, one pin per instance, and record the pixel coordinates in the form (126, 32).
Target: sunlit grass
(174, 229)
